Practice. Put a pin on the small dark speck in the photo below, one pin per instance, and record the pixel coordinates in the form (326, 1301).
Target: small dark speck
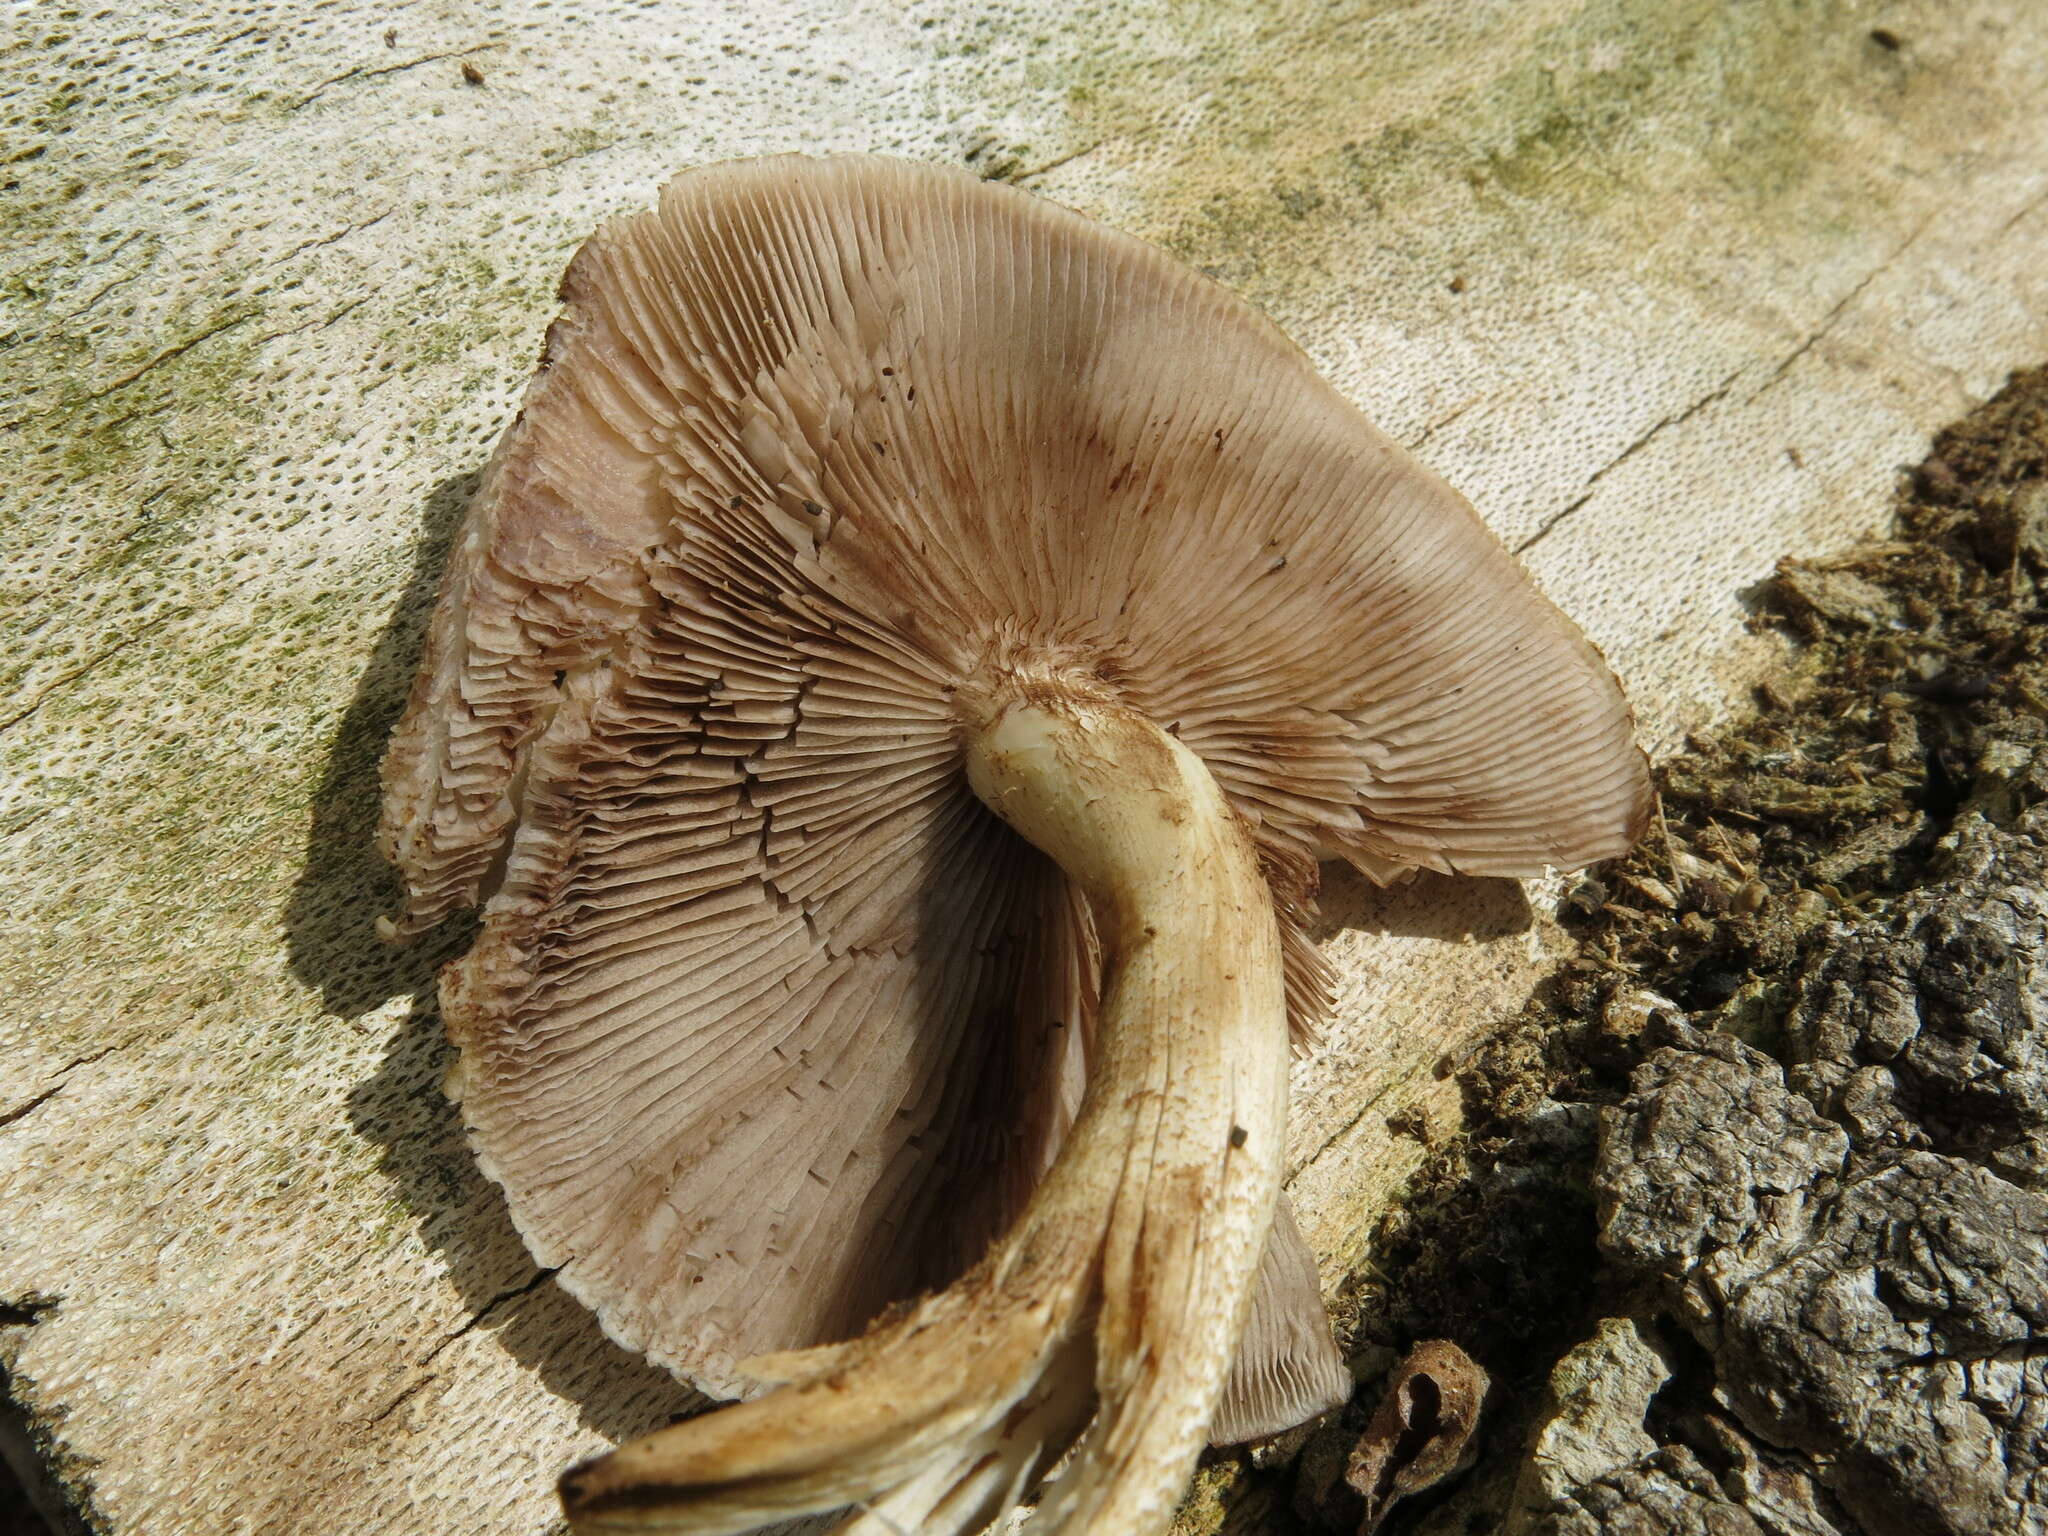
(1278, 563)
(910, 394)
(1716, 987)
(1887, 39)
(1798, 459)
(471, 75)
(1457, 284)
(391, 37)
(736, 503)
(1952, 687)
(1239, 1136)
(878, 448)
(888, 373)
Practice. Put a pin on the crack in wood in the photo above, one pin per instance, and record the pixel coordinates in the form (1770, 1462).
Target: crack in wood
(57, 685)
(1663, 424)
(366, 73)
(57, 1086)
(476, 1320)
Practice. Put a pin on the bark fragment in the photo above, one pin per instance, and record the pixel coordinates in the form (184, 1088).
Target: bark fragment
(1668, 1493)
(1807, 1018)
(1591, 1424)
(1863, 1259)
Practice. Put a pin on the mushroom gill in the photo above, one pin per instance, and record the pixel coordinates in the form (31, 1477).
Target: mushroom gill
(855, 501)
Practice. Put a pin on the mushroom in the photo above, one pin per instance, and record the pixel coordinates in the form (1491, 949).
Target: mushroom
(891, 694)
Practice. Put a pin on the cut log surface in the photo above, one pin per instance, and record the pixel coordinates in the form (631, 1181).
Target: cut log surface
(1664, 289)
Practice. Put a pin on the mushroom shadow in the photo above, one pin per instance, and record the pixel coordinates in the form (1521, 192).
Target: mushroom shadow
(344, 884)
(331, 938)
(463, 1222)
(1454, 908)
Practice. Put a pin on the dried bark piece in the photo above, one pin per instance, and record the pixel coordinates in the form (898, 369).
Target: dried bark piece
(1592, 1422)
(1882, 1312)
(1778, 1488)
(1864, 1258)
(1593, 1467)
(1857, 1238)
(1668, 1493)
(1932, 1031)
(1710, 1160)
(1840, 597)
(1424, 1431)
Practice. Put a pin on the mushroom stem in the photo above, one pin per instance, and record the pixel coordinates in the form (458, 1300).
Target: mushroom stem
(1156, 1206)
(1179, 1141)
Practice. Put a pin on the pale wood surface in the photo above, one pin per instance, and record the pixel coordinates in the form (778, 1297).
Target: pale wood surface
(1668, 289)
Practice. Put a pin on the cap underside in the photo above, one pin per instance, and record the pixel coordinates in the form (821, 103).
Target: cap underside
(770, 1023)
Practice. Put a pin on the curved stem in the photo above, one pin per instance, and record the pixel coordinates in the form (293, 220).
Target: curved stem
(1156, 1207)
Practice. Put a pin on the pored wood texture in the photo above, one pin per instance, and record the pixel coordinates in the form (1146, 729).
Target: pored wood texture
(1663, 293)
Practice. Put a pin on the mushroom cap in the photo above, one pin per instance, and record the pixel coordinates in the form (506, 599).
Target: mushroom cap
(770, 1023)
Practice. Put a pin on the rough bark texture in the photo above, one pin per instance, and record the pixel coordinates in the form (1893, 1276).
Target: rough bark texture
(1665, 289)
(1667, 1493)
(1870, 1281)
(1765, 1161)
(1856, 1237)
